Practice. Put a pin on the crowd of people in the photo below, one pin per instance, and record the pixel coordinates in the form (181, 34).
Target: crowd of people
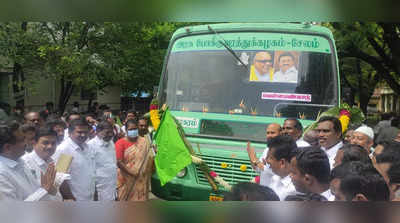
(97, 155)
(91, 156)
(324, 165)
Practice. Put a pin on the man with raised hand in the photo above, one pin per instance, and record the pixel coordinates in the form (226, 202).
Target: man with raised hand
(44, 146)
(16, 180)
(260, 164)
(278, 159)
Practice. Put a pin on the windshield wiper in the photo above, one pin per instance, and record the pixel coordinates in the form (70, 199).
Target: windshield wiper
(224, 43)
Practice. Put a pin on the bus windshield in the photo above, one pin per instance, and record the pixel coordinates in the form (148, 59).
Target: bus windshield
(284, 75)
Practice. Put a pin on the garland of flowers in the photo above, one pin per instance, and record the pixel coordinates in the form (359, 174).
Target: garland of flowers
(220, 180)
(344, 118)
(154, 114)
(347, 115)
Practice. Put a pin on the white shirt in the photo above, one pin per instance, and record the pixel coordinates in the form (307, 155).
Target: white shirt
(37, 166)
(82, 169)
(289, 76)
(328, 195)
(299, 143)
(302, 143)
(66, 134)
(106, 168)
(331, 152)
(283, 187)
(268, 178)
(17, 182)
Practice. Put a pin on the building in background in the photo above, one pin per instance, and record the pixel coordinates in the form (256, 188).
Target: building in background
(384, 100)
(36, 93)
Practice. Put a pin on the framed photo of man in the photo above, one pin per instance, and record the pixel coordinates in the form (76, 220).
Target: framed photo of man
(262, 69)
(286, 65)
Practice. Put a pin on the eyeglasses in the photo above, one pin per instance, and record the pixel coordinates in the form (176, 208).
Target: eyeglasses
(264, 61)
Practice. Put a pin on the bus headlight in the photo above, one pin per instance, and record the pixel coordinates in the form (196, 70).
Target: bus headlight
(182, 173)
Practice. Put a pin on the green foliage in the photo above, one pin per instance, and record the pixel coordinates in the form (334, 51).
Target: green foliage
(89, 55)
(369, 54)
(356, 115)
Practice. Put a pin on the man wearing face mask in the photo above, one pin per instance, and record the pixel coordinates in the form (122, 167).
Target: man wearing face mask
(105, 161)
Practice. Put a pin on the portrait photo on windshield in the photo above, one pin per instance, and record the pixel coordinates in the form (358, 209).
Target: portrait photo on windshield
(274, 66)
(262, 69)
(286, 65)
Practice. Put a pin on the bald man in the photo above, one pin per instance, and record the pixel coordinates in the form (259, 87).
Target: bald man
(33, 118)
(260, 165)
(273, 130)
(262, 67)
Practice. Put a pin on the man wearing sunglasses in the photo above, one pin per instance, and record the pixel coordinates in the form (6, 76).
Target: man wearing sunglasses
(262, 67)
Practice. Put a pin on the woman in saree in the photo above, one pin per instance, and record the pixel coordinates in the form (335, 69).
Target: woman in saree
(136, 168)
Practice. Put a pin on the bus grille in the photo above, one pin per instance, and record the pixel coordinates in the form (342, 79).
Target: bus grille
(231, 174)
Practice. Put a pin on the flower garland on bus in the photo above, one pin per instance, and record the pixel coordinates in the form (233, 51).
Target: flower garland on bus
(154, 114)
(347, 115)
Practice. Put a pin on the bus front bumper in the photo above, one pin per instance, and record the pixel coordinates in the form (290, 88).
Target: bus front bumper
(182, 190)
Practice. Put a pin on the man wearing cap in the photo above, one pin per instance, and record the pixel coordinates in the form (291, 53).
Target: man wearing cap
(363, 136)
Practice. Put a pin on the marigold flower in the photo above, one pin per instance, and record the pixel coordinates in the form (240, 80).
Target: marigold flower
(344, 119)
(155, 118)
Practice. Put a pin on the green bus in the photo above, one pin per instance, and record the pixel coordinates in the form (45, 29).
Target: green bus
(226, 82)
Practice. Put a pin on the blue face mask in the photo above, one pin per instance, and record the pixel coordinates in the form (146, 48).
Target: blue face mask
(133, 133)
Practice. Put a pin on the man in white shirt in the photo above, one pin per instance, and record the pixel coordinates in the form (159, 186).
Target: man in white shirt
(310, 172)
(16, 181)
(293, 128)
(105, 161)
(330, 136)
(39, 159)
(82, 168)
(278, 158)
(287, 70)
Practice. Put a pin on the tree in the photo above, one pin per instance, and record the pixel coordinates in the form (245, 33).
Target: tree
(89, 56)
(70, 56)
(376, 48)
(136, 54)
